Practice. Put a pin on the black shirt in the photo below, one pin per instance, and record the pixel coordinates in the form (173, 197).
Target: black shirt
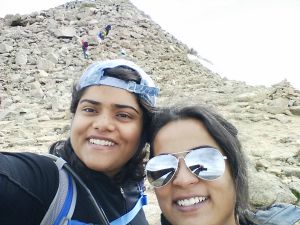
(28, 183)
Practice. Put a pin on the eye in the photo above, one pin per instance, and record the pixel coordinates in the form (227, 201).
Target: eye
(124, 116)
(88, 110)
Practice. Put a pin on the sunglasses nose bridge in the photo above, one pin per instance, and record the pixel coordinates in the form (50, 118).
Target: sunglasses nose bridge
(183, 174)
(182, 158)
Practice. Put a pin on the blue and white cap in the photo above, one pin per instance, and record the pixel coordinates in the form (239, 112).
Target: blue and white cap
(93, 75)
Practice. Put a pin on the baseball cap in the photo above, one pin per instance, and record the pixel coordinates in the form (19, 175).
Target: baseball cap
(94, 75)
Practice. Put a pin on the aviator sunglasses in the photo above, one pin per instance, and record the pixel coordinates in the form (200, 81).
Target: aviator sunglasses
(205, 162)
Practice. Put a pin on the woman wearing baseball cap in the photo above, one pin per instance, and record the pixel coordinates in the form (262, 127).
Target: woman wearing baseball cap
(111, 104)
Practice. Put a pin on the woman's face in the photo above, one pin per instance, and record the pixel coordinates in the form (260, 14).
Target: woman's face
(106, 128)
(218, 195)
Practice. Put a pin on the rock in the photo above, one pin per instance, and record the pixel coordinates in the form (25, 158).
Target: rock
(264, 181)
(65, 32)
(276, 106)
(44, 118)
(246, 97)
(44, 64)
(295, 110)
(5, 48)
(282, 118)
(21, 59)
(291, 171)
(52, 57)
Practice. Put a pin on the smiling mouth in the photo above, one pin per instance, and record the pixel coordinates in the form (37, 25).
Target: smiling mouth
(101, 142)
(191, 201)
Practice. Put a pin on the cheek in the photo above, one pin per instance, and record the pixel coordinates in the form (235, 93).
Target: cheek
(158, 192)
(163, 196)
(76, 131)
(74, 122)
(226, 185)
(133, 133)
(229, 179)
(78, 124)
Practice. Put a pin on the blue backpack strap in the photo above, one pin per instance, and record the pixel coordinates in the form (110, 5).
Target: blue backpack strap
(142, 189)
(125, 219)
(64, 201)
(74, 222)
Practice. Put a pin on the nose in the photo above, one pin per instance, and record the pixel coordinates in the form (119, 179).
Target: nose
(184, 176)
(104, 122)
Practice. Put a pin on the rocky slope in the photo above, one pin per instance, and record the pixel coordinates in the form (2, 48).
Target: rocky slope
(40, 57)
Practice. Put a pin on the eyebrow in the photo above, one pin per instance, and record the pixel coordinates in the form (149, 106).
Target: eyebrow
(120, 106)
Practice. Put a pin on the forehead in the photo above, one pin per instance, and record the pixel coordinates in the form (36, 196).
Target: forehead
(181, 135)
(111, 95)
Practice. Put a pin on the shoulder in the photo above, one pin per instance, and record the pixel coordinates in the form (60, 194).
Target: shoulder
(28, 169)
(30, 180)
(14, 161)
(276, 214)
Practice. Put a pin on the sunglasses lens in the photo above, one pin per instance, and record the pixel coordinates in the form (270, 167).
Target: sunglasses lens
(161, 169)
(206, 163)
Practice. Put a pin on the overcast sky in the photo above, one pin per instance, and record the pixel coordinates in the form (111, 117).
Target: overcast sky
(27, 6)
(257, 41)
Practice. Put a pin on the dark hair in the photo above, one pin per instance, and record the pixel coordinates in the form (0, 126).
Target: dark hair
(134, 168)
(223, 132)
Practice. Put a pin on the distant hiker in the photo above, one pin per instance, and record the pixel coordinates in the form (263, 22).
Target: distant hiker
(85, 45)
(102, 34)
(117, 8)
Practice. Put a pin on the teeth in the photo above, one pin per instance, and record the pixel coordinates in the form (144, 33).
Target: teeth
(101, 142)
(190, 201)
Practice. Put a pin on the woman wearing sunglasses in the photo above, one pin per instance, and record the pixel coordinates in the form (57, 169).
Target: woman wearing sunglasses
(198, 171)
(111, 105)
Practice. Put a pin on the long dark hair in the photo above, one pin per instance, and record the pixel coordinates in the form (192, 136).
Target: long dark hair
(134, 168)
(224, 133)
